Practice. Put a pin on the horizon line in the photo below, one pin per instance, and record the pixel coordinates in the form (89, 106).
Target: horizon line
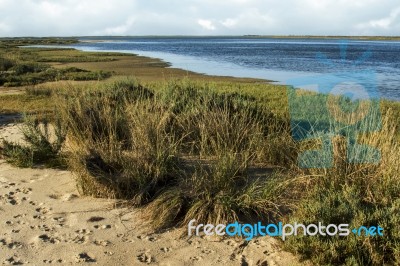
(217, 35)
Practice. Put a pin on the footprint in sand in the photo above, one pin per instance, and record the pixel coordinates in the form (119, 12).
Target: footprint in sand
(125, 239)
(25, 190)
(84, 257)
(44, 228)
(152, 238)
(13, 260)
(53, 261)
(207, 251)
(39, 217)
(145, 257)
(59, 219)
(148, 238)
(10, 185)
(24, 199)
(103, 243)
(43, 210)
(10, 198)
(108, 253)
(196, 258)
(104, 226)
(166, 249)
(49, 239)
(19, 216)
(79, 239)
(33, 203)
(84, 231)
(10, 243)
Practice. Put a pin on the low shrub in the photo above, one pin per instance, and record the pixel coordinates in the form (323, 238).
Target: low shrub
(43, 144)
(357, 194)
(6, 64)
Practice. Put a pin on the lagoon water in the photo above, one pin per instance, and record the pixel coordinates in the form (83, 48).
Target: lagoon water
(299, 62)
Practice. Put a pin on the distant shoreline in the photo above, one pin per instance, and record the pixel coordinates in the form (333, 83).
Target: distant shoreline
(314, 37)
(255, 36)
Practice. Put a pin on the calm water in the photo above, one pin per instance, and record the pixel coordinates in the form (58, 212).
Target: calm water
(287, 61)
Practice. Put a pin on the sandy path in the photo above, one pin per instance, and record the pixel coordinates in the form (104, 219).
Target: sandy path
(45, 221)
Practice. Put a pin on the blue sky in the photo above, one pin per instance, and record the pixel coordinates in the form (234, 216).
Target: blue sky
(198, 17)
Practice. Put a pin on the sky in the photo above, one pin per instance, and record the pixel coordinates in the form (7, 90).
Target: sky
(198, 17)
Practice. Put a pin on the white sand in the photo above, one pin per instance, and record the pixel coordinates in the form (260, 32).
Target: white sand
(45, 221)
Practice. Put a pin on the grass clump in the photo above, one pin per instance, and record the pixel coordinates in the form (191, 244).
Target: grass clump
(221, 191)
(129, 142)
(42, 145)
(209, 121)
(118, 137)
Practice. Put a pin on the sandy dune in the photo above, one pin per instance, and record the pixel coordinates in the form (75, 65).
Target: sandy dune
(45, 221)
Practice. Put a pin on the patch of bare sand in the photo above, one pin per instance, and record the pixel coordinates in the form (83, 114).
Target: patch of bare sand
(45, 221)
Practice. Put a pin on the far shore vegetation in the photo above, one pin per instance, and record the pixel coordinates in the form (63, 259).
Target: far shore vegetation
(183, 146)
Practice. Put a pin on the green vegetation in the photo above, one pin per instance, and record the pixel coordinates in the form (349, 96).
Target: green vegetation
(72, 55)
(15, 42)
(28, 73)
(32, 74)
(43, 144)
(186, 150)
(363, 192)
(215, 151)
(26, 102)
(22, 67)
(130, 142)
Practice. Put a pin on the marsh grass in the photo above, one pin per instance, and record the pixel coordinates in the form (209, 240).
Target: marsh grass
(20, 67)
(129, 142)
(117, 134)
(221, 191)
(210, 121)
(29, 103)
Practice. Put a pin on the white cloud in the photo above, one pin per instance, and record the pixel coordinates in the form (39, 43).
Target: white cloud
(229, 22)
(251, 19)
(383, 23)
(206, 24)
(119, 30)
